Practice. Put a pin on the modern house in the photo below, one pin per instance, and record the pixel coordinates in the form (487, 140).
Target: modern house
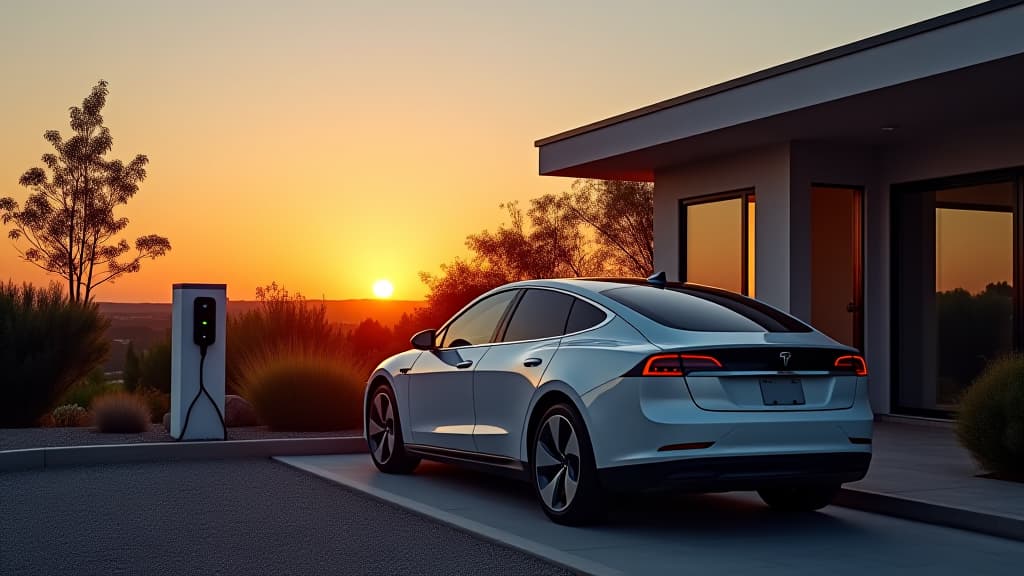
(874, 190)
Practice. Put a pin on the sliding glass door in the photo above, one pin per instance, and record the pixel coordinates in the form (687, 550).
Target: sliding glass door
(956, 287)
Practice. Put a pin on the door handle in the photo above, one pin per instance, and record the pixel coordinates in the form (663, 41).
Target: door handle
(531, 362)
(464, 364)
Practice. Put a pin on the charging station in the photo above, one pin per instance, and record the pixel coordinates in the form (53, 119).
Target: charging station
(198, 330)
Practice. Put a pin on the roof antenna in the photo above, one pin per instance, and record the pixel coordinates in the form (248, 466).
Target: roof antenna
(657, 280)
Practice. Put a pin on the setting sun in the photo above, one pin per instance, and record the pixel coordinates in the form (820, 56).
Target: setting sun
(383, 289)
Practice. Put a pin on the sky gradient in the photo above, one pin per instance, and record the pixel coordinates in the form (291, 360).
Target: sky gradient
(326, 145)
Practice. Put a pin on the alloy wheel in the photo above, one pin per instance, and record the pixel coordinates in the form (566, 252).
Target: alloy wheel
(381, 425)
(557, 462)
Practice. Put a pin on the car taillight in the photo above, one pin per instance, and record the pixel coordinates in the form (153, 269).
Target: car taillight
(663, 365)
(694, 362)
(854, 363)
(678, 364)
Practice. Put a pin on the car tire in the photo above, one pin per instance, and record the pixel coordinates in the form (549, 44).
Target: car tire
(563, 471)
(799, 498)
(384, 433)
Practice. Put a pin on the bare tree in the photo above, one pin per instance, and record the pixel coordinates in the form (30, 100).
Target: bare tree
(622, 214)
(68, 221)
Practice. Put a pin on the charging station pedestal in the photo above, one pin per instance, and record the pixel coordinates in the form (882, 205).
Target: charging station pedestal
(198, 321)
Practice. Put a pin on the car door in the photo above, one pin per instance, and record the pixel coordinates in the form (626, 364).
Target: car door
(441, 411)
(505, 379)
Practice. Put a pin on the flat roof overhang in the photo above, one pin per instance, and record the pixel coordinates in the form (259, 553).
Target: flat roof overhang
(964, 68)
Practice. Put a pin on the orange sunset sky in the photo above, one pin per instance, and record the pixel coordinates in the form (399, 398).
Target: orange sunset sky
(326, 145)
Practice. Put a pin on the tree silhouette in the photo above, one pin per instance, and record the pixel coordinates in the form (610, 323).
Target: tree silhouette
(68, 220)
(599, 228)
(622, 215)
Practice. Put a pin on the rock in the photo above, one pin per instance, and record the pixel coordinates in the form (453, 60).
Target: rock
(239, 412)
(167, 422)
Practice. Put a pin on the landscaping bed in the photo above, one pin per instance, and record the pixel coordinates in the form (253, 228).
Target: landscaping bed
(21, 438)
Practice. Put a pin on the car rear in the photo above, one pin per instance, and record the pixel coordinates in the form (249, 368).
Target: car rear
(735, 395)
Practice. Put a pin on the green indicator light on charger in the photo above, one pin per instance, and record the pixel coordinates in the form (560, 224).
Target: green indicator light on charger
(205, 322)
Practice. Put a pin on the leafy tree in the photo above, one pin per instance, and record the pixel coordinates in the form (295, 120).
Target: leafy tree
(459, 282)
(68, 221)
(371, 340)
(599, 228)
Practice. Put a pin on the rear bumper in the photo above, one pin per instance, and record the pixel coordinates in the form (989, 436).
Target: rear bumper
(727, 473)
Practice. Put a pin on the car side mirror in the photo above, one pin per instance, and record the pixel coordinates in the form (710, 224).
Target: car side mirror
(424, 340)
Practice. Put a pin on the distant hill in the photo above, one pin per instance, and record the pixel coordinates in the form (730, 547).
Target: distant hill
(387, 312)
(144, 324)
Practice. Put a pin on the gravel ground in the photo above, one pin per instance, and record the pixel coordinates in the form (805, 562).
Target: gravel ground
(19, 438)
(239, 517)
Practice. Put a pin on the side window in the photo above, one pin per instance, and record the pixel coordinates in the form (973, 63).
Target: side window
(540, 314)
(477, 325)
(583, 316)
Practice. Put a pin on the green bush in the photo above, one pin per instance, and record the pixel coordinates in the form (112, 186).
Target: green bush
(68, 415)
(121, 413)
(155, 367)
(991, 419)
(46, 344)
(299, 389)
(87, 389)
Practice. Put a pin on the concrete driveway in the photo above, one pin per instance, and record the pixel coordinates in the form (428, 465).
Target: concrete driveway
(698, 534)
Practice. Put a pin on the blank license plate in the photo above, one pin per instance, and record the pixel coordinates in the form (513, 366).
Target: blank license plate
(782, 391)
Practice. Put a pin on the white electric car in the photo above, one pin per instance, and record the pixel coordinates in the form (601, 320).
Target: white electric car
(588, 386)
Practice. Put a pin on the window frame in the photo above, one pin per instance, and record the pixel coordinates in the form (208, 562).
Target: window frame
(746, 196)
(898, 255)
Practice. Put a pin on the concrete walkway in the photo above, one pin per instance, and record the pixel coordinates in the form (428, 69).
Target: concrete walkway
(919, 470)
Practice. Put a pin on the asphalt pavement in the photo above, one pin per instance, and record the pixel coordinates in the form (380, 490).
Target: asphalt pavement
(224, 517)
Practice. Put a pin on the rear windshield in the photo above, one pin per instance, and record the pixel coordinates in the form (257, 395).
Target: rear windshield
(704, 309)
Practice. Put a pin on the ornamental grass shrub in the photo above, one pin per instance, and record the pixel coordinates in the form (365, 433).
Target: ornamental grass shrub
(46, 344)
(293, 388)
(121, 413)
(70, 415)
(158, 403)
(990, 423)
(281, 321)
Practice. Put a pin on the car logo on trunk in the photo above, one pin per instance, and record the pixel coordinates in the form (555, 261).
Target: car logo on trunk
(785, 356)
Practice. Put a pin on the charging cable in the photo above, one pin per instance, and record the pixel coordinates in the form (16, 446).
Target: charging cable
(203, 390)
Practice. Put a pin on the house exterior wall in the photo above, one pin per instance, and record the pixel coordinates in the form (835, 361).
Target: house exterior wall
(766, 171)
(782, 176)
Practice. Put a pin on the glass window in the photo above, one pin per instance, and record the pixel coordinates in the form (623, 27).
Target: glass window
(719, 243)
(478, 324)
(955, 283)
(704, 310)
(583, 316)
(540, 314)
